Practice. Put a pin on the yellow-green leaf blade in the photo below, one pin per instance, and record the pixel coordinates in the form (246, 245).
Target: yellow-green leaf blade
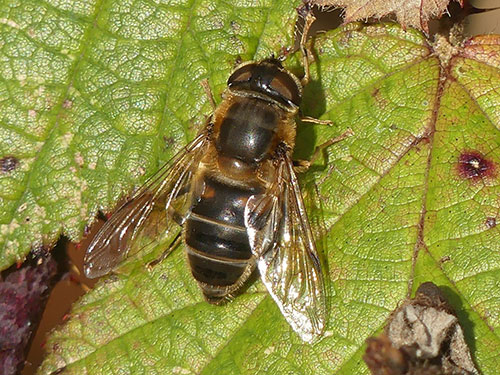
(41, 46)
(97, 95)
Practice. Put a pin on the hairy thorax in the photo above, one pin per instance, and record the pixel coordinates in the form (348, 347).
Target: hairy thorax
(247, 132)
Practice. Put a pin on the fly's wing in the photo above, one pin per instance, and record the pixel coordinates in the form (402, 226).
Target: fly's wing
(156, 208)
(282, 242)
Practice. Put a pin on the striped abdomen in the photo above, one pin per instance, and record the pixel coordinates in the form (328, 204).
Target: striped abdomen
(218, 245)
(245, 133)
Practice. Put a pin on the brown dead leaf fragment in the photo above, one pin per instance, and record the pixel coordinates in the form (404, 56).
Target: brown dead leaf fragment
(412, 13)
(423, 336)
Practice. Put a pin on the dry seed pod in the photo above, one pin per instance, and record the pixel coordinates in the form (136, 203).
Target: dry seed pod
(423, 336)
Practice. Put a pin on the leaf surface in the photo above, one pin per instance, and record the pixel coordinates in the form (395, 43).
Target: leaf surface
(94, 96)
(412, 196)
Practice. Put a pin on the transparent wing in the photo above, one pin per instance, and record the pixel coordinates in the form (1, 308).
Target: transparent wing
(282, 242)
(157, 207)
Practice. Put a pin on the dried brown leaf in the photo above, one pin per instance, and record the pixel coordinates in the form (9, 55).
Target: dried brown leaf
(423, 336)
(409, 13)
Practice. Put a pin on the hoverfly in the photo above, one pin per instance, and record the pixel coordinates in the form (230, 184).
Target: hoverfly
(234, 191)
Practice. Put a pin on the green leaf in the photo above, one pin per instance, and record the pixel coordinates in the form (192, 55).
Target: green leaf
(95, 96)
(396, 206)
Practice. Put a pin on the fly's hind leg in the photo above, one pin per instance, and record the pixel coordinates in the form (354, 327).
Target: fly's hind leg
(77, 280)
(175, 242)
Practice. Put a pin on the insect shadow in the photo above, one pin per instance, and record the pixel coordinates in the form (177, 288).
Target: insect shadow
(313, 105)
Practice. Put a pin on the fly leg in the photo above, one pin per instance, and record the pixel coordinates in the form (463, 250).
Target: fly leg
(176, 241)
(317, 121)
(301, 166)
(174, 215)
(208, 93)
(321, 147)
(305, 11)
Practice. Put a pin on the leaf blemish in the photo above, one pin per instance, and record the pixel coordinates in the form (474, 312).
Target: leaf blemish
(235, 25)
(169, 141)
(444, 259)
(8, 163)
(491, 222)
(473, 165)
(67, 104)
(379, 99)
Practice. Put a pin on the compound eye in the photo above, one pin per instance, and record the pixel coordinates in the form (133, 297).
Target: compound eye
(268, 78)
(287, 87)
(243, 74)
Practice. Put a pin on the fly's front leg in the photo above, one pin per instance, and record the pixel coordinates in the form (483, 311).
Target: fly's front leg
(305, 11)
(208, 93)
(301, 166)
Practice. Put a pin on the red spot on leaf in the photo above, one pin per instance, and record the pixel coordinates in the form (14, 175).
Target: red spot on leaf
(473, 165)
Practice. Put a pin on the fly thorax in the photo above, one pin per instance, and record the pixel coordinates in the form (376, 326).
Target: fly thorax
(247, 131)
